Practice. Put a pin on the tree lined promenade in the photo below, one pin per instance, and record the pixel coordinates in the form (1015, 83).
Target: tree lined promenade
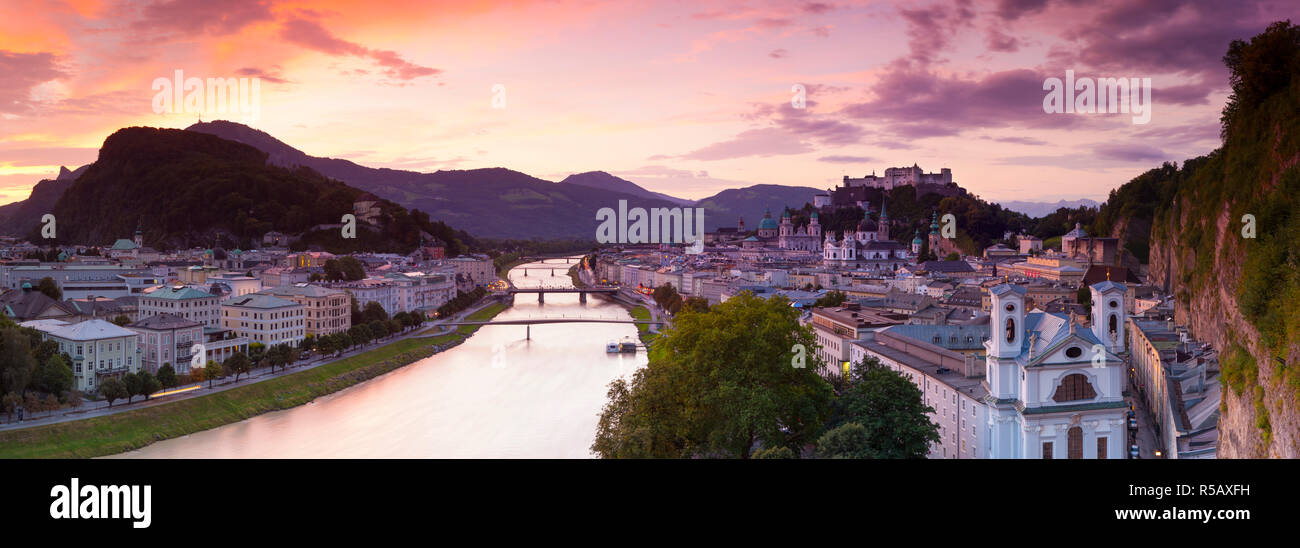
(102, 431)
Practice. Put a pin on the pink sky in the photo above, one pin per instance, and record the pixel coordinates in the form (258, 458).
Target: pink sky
(686, 98)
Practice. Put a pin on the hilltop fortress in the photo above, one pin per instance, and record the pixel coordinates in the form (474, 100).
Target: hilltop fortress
(901, 176)
(853, 191)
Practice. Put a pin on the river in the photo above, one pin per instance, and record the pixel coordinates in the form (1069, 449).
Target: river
(496, 395)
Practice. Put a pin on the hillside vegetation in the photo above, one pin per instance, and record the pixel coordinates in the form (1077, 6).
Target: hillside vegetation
(1237, 291)
(192, 189)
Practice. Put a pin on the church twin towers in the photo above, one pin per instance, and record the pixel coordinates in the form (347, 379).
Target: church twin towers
(1055, 387)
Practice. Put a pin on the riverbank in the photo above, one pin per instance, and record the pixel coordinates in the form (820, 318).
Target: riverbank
(136, 428)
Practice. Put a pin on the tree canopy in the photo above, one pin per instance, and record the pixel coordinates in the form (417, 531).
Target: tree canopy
(719, 383)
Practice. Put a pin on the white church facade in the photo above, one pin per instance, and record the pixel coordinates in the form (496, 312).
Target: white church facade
(1056, 388)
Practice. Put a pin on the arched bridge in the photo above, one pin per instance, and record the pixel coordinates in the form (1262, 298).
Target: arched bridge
(529, 322)
(581, 291)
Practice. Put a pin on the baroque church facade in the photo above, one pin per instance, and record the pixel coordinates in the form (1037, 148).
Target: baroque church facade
(1055, 387)
(869, 247)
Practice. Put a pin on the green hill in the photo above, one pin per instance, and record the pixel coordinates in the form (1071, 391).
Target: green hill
(189, 189)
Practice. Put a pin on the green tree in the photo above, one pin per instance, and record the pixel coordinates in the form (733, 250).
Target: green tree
(327, 344)
(834, 298)
(237, 364)
(134, 386)
(847, 441)
(11, 401)
(54, 376)
(16, 362)
(373, 312)
(1084, 296)
(121, 320)
(51, 289)
(148, 384)
(717, 384)
(954, 256)
(167, 375)
(256, 353)
(378, 329)
(695, 304)
(212, 372)
(891, 408)
(778, 452)
(352, 269)
(113, 389)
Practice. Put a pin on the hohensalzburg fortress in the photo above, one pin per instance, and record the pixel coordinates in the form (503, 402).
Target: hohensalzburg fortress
(900, 176)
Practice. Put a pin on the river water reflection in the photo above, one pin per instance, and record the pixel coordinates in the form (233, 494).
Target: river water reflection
(538, 398)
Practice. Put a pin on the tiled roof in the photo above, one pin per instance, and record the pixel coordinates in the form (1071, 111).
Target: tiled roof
(91, 330)
(256, 300)
(179, 294)
(164, 321)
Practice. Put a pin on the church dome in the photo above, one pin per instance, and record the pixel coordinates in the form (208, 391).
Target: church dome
(866, 226)
(768, 223)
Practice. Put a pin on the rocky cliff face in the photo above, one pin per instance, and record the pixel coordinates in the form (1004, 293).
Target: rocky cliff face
(1212, 314)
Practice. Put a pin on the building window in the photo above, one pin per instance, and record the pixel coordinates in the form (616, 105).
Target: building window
(1075, 442)
(1101, 447)
(1074, 387)
(1047, 450)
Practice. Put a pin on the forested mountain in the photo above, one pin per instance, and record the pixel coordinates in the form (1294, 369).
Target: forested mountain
(192, 189)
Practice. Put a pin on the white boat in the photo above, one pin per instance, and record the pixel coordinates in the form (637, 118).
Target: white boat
(612, 347)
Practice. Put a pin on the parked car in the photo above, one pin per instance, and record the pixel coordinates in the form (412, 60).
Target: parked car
(1133, 452)
(1132, 421)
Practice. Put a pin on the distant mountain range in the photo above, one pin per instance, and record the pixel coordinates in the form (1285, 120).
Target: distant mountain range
(502, 203)
(490, 202)
(1043, 209)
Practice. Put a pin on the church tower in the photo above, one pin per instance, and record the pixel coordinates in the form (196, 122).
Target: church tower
(139, 236)
(882, 233)
(934, 233)
(787, 225)
(814, 228)
(1108, 314)
(1003, 373)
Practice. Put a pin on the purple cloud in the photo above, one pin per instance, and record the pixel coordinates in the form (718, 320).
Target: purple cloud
(270, 76)
(835, 159)
(203, 16)
(312, 35)
(1011, 10)
(1130, 152)
(22, 72)
(996, 40)
(754, 142)
(917, 104)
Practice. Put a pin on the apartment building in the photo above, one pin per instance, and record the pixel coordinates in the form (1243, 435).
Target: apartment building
(265, 319)
(186, 302)
(325, 310)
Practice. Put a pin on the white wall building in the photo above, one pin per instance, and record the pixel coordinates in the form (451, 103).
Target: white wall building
(265, 319)
(1056, 389)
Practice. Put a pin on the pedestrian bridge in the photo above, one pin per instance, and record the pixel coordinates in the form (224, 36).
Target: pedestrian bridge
(529, 322)
(581, 291)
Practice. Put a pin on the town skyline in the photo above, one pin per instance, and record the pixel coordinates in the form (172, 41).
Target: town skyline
(687, 100)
